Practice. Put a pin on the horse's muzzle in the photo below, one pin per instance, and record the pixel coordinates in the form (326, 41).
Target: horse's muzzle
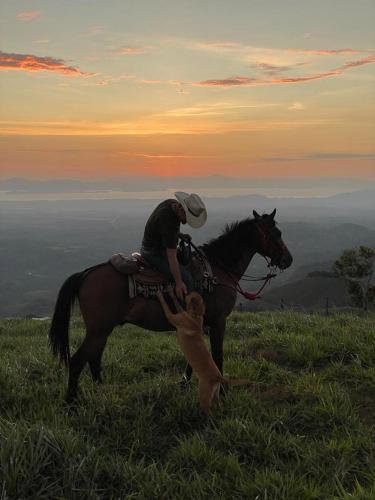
(285, 261)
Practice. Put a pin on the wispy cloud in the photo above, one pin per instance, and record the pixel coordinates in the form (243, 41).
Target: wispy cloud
(340, 156)
(324, 156)
(93, 31)
(153, 126)
(297, 106)
(114, 79)
(28, 15)
(271, 61)
(233, 81)
(244, 81)
(159, 156)
(223, 46)
(150, 81)
(326, 52)
(273, 69)
(359, 62)
(132, 51)
(244, 49)
(215, 109)
(31, 63)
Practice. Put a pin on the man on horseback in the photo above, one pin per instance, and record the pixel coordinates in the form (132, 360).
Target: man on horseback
(160, 239)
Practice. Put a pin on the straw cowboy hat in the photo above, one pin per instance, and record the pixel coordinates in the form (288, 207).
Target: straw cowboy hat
(196, 213)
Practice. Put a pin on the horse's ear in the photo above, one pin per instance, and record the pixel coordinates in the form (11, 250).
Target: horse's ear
(272, 215)
(256, 215)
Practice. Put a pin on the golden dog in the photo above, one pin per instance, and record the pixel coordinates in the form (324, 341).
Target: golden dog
(189, 325)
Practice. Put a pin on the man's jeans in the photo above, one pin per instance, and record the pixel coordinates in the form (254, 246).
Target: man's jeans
(160, 262)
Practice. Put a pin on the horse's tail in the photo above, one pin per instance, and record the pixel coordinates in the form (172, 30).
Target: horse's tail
(59, 331)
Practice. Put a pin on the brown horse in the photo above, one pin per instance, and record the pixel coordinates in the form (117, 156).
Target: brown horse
(104, 297)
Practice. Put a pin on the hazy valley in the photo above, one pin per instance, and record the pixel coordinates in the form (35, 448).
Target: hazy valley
(42, 243)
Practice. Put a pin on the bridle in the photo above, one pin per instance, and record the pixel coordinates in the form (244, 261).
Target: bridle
(266, 245)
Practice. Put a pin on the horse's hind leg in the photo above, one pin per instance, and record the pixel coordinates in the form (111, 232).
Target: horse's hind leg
(76, 366)
(95, 357)
(90, 351)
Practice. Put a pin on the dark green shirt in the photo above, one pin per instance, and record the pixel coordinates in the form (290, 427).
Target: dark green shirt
(162, 228)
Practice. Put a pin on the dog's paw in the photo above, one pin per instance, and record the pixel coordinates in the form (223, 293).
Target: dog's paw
(183, 383)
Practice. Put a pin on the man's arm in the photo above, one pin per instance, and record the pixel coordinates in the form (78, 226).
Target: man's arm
(168, 313)
(177, 305)
(175, 270)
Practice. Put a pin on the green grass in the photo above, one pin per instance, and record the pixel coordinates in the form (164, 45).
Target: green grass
(305, 429)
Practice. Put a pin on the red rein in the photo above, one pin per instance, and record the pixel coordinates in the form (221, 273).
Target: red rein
(250, 295)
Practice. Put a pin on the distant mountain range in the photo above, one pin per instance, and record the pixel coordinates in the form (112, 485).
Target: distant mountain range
(306, 294)
(157, 183)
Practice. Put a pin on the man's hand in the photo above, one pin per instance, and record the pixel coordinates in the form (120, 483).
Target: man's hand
(181, 290)
(170, 290)
(185, 237)
(159, 294)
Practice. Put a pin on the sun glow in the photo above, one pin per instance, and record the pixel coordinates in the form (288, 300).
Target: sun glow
(118, 90)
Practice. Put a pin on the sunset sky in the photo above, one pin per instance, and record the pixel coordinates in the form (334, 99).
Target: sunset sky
(248, 88)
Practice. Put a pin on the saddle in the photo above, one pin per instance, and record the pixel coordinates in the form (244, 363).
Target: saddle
(145, 281)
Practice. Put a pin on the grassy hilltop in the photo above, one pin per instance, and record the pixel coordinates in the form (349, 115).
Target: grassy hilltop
(304, 430)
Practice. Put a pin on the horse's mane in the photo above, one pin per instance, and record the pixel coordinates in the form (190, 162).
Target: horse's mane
(235, 237)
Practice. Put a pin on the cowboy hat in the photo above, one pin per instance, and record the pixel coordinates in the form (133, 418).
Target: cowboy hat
(196, 213)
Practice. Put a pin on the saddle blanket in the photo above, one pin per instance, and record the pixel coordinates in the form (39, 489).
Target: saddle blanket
(145, 281)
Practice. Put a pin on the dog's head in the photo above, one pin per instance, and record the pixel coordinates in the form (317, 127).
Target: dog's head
(195, 304)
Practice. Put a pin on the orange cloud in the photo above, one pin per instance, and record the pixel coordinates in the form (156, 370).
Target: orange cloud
(360, 62)
(158, 156)
(32, 63)
(325, 156)
(148, 81)
(244, 81)
(232, 81)
(28, 16)
(326, 52)
(133, 51)
(273, 69)
(218, 46)
(229, 46)
(152, 126)
(93, 31)
(130, 51)
(114, 79)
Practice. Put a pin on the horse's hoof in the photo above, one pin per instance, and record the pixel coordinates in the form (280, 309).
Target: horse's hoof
(71, 404)
(72, 410)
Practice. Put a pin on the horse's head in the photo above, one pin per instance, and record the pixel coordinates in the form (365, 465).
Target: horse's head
(270, 243)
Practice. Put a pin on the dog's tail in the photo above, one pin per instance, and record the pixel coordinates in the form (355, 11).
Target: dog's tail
(235, 381)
